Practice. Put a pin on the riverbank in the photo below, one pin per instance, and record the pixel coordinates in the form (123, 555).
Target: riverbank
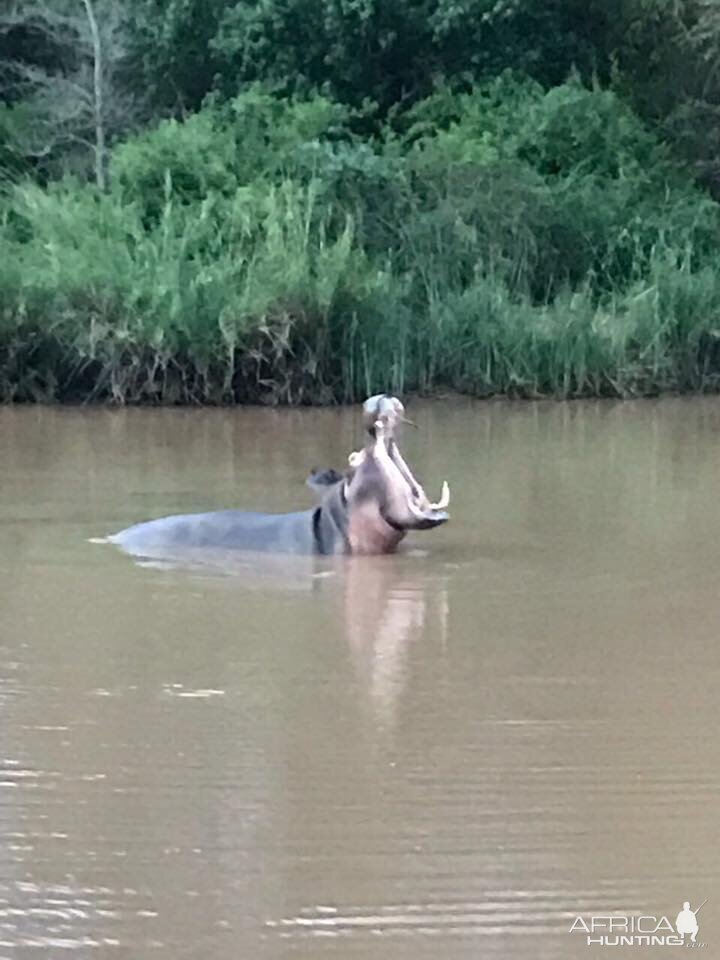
(660, 336)
(572, 348)
(507, 241)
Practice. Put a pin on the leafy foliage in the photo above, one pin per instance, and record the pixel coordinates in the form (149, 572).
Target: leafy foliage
(494, 195)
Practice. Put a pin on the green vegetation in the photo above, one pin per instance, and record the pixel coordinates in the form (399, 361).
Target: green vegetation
(478, 199)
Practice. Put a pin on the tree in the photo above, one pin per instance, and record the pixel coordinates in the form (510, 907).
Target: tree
(65, 73)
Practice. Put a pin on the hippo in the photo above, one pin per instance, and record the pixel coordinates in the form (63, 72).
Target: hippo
(367, 509)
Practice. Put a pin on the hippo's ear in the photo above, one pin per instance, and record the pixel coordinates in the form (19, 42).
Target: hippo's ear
(320, 481)
(323, 478)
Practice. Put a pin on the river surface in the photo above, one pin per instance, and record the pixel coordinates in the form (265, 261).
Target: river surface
(449, 753)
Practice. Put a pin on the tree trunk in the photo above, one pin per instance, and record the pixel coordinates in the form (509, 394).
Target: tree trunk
(98, 97)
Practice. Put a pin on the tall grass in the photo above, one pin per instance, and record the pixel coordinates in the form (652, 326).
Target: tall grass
(258, 302)
(494, 246)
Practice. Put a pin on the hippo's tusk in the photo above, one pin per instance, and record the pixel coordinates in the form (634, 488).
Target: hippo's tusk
(444, 498)
(356, 458)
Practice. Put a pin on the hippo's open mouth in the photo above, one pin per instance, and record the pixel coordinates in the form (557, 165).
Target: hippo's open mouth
(407, 506)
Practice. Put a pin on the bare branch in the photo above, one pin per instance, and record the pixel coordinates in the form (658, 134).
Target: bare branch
(98, 94)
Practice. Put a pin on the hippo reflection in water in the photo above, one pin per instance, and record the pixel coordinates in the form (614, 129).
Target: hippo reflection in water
(366, 510)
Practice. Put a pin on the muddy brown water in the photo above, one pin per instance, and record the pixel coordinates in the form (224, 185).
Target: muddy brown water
(451, 752)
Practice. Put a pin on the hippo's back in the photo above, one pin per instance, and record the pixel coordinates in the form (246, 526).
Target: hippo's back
(225, 529)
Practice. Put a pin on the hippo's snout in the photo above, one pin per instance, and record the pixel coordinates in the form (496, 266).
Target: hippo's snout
(431, 518)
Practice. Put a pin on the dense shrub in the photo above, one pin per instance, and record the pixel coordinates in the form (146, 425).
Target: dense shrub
(220, 148)
(548, 188)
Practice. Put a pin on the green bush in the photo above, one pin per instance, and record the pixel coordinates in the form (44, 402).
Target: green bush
(545, 189)
(222, 147)
(506, 239)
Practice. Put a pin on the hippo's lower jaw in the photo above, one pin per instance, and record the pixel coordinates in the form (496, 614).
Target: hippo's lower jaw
(428, 515)
(430, 519)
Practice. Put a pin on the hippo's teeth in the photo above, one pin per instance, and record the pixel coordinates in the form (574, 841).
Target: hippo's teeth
(414, 508)
(356, 458)
(444, 498)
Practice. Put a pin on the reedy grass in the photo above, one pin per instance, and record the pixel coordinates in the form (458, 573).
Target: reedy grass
(268, 306)
(465, 256)
(200, 309)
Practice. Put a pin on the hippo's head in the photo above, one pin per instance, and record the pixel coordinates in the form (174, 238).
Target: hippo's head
(382, 499)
